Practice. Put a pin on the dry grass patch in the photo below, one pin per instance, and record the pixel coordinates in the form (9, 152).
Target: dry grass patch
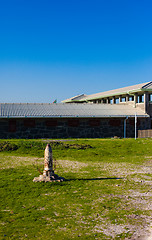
(16, 161)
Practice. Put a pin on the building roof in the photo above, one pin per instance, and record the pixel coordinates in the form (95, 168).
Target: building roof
(75, 98)
(63, 110)
(120, 91)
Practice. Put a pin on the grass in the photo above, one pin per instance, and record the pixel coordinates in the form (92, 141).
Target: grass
(105, 196)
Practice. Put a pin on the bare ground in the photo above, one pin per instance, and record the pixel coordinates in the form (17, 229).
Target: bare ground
(141, 200)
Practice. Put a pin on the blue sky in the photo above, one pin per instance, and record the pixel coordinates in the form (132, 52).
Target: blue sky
(57, 49)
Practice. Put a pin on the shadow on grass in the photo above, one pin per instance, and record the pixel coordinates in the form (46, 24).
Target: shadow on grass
(91, 179)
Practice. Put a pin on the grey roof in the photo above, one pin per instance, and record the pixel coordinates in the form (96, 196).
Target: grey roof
(120, 91)
(64, 110)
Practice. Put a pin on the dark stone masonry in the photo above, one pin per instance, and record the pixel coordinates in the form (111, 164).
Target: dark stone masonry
(70, 128)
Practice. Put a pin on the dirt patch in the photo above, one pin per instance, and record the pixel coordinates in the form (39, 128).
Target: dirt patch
(140, 200)
(15, 161)
(113, 230)
(72, 166)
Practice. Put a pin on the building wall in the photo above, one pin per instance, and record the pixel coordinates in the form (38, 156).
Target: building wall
(149, 110)
(70, 128)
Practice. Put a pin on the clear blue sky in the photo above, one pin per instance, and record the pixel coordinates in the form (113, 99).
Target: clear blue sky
(55, 49)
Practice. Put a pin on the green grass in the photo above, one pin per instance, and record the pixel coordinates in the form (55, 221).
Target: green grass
(120, 149)
(100, 191)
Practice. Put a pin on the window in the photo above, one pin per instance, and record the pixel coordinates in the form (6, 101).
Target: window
(117, 100)
(51, 123)
(94, 122)
(131, 98)
(150, 97)
(115, 122)
(12, 125)
(29, 123)
(132, 122)
(140, 98)
(123, 99)
(73, 122)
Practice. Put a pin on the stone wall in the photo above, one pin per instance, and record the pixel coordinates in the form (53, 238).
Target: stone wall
(69, 128)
